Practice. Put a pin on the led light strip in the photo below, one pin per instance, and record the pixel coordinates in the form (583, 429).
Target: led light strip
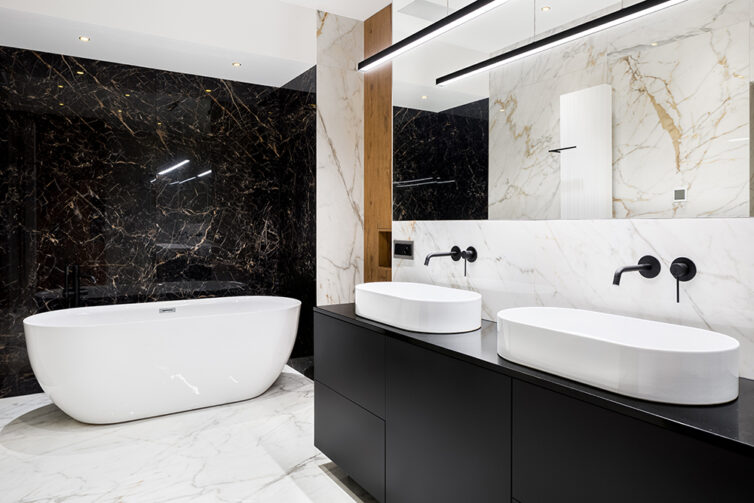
(173, 168)
(608, 21)
(435, 29)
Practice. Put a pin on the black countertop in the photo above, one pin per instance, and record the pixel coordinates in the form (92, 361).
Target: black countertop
(730, 425)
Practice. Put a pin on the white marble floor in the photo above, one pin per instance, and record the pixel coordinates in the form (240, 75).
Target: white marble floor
(260, 450)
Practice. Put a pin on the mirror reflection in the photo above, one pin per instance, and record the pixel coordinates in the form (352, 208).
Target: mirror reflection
(647, 119)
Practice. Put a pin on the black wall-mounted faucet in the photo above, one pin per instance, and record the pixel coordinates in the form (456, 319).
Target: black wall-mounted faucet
(468, 255)
(648, 266)
(682, 269)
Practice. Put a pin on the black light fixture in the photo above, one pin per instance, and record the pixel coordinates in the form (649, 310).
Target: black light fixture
(602, 23)
(444, 25)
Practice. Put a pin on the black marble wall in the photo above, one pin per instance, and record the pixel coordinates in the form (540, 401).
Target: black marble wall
(82, 144)
(440, 163)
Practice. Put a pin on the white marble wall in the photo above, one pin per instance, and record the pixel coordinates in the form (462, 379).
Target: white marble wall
(340, 158)
(571, 263)
(680, 100)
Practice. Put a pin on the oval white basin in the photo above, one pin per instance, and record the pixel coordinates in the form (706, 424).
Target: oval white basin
(420, 307)
(644, 359)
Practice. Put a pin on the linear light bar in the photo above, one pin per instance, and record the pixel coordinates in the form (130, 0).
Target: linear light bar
(444, 25)
(204, 174)
(172, 168)
(602, 23)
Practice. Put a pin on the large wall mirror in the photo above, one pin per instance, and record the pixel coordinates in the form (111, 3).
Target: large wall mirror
(647, 119)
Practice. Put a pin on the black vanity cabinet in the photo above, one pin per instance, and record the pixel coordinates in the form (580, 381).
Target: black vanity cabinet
(349, 400)
(419, 418)
(407, 423)
(568, 450)
(448, 429)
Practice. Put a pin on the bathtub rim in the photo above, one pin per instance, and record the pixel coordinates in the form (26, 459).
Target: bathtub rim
(42, 320)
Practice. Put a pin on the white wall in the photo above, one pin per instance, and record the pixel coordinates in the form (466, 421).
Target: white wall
(571, 264)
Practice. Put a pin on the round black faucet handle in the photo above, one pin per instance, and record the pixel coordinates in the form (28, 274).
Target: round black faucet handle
(470, 254)
(683, 269)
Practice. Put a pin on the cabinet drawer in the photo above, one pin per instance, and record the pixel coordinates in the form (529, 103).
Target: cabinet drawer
(350, 360)
(352, 437)
(568, 450)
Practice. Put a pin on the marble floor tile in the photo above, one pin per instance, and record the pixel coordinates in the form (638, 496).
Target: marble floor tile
(259, 450)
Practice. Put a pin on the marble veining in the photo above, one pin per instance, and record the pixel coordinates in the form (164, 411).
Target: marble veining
(680, 105)
(571, 263)
(81, 146)
(259, 450)
(440, 163)
(340, 158)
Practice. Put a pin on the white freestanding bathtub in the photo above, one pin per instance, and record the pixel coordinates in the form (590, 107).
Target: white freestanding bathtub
(118, 363)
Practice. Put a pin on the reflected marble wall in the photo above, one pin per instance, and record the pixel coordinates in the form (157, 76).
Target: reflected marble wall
(448, 151)
(340, 158)
(81, 143)
(681, 115)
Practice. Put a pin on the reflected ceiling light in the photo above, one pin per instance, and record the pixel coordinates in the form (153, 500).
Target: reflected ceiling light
(79, 72)
(61, 104)
(186, 180)
(236, 64)
(654, 44)
(204, 174)
(546, 8)
(173, 168)
(424, 97)
(435, 29)
(127, 95)
(84, 38)
(208, 90)
(60, 86)
(602, 23)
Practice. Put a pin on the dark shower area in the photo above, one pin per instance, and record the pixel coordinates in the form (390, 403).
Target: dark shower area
(157, 185)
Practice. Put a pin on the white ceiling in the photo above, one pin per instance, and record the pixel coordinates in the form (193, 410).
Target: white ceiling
(274, 40)
(355, 9)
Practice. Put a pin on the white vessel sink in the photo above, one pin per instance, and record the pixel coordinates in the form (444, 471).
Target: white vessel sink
(420, 307)
(638, 358)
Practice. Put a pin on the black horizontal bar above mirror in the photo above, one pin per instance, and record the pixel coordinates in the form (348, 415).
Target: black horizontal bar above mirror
(444, 25)
(601, 23)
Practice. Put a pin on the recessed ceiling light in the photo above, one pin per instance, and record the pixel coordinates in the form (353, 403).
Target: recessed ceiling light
(79, 72)
(127, 95)
(546, 8)
(424, 97)
(236, 64)
(60, 86)
(208, 90)
(84, 38)
(60, 104)
(159, 123)
(120, 111)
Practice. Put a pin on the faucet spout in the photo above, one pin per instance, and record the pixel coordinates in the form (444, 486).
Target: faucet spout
(454, 253)
(433, 255)
(648, 266)
(629, 268)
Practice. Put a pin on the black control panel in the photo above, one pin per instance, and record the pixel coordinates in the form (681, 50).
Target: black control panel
(403, 249)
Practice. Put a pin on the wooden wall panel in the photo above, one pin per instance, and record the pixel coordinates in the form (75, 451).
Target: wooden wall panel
(378, 150)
